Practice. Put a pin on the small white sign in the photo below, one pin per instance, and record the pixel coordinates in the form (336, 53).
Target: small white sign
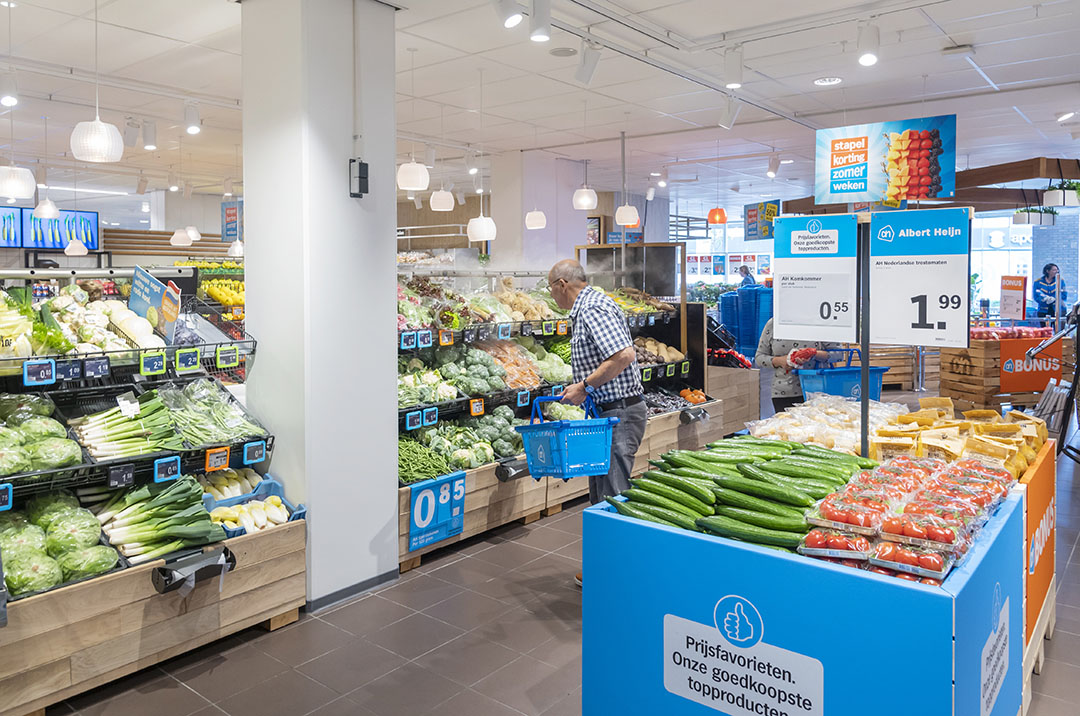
(995, 662)
(825, 242)
(919, 300)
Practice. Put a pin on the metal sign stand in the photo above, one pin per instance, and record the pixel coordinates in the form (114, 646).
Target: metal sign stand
(864, 332)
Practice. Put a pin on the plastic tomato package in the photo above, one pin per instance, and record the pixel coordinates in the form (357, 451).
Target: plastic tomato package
(930, 531)
(998, 474)
(853, 563)
(926, 465)
(838, 544)
(903, 480)
(919, 561)
(840, 512)
(983, 492)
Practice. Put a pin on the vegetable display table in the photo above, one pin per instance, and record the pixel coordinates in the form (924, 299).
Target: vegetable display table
(707, 625)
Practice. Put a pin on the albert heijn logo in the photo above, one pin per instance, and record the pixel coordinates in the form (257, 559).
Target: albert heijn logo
(1031, 365)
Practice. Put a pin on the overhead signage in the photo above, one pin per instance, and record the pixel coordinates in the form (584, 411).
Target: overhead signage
(1013, 302)
(632, 237)
(232, 220)
(1020, 374)
(758, 219)
(860, 207)
(919, 277)
(58, 233)
(155, 301)
(816, 269)
(908, 159)
(437, 510)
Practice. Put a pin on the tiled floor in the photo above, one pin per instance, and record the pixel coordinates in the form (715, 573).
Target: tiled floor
(490, 628)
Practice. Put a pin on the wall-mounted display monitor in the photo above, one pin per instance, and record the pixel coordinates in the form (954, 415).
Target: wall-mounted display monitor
(56, 233)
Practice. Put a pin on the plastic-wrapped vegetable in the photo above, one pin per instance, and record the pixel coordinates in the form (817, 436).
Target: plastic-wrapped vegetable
(75, 292)
(51, 453)
(24, 537)
(31, 572)
(87, 562)
(12, 520)
(14, 459)
(38, 428)
(39, 404)
(10, 437)
(41, 507)
(72, 530)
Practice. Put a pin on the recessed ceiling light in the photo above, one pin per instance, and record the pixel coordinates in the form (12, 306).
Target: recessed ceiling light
(787, 161)
(5, 3)
(654, 174)
(563, 51)
(828, 81)
(1065, 116)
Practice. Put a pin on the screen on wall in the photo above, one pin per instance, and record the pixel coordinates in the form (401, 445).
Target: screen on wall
(10, 227)
(58, 233)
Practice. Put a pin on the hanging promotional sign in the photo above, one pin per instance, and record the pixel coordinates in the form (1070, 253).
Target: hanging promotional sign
(1013, 302)
(758, 219)
(155, 301)
(232, 220)
(815, 271)
(719, 265)
(907, 159)
(1021, 374)
(919, 277)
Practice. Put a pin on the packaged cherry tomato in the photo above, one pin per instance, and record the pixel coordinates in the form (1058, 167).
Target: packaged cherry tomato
(838, 544)
(839, 513)
(903, 480)
(926, 465)
(854, 564)
(993, 472)
(919, 561)
(982, 496)
(929, 531)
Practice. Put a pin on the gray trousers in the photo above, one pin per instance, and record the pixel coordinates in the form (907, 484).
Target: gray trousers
(625, 438)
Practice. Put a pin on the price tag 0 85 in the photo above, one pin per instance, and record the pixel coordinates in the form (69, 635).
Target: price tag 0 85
(39, 372)
(167, 468)
(152, 363)
(476, 407)
(121, 476)
(227, 356)
(217, 458)
(254, 452)
(188, 359)
(523, 398)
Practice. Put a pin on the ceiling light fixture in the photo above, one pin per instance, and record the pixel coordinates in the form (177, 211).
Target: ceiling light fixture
(540, 21)
(418, 202)
(654, 174)
(145, 208)
(236, 249)
(131, 132)
(1065, 116)
(774, 166)
(189, 188)
(180, 237)
(9, 90)
(717, 216)
(650, 194)
(149, 135)
(627, 214)
(828, 81)
(535, 220)
(509, 13)
(227, 188)
(869, 44)
(174, 183)
(46, 208)
(590, 60)
(787, 161)
(663, 180)
(429, 156)
(192, 123)
(193, 233)
(585, 198)
(75, 247)
(441, 200)
(81, 190)
(730, 113)
(470, 162)
(97, 141)
(733, 67)
(412, 175)
(140, 187)
(460, 196)
(16, 182)
(481, 228)
(562, 52)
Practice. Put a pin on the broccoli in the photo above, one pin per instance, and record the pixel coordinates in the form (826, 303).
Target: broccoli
(503, 448)
(504, 411)
(495, 384)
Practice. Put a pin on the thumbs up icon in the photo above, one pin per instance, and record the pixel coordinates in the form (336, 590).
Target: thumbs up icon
(737, 627)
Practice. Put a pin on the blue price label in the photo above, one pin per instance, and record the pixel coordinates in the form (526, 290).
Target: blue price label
(437, 510)
(523, 398)
(5, 496)
(167, 468)
(39, 372)
(646, 375)
(556, 390)
(423, 339)
(408, 340)
(254, 452)
(96, 367)
(69, 369)
(121, 476)
(652, 319)
(227, 356)
(504, 331)
(152, 363)
(188, 359)
(413, 420)
(431, 416)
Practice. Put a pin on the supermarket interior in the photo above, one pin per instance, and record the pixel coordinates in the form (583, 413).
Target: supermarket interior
(735, 351)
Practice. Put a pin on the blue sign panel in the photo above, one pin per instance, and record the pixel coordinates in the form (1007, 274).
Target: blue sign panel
(758, 219)
(437, 510)
(10, 227)
(232, 220)
(58, 233)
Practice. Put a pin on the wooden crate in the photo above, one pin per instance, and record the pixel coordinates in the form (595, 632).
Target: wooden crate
(740, 392)
(900, 360)
(972, 376)
(64, 642)
(489, 503)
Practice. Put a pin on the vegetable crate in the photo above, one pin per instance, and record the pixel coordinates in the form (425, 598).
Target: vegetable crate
(972, 376)
(267, 488)
(567, 448)
(845, 382)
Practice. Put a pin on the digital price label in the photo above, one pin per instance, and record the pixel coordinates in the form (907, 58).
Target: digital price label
(684, 368)
(5, 497)
(667, 317)
(188, 359)
(562, 327)
(526, 328)
(468, 335)
(641, 321)
(227, 356)
(423, 339)
(549, 328)
(69, 369)
(652, 319)
(523, 398)
(152, 363)
(414, 420)
(919, 277)
(476, 407)
(504, 331)
(254, 452)
(217, 458)
(408, 340)
(670, 370)
(483, 333)
(96, 367)
(446, 338)
(646, 375)
(437, 509)
(166, 468)
(39, 372)
(431, 416)
(121, 476)
(556, 390)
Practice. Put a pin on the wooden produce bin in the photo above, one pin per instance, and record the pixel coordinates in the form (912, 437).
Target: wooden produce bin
(489, 503)
(972, 376)
(740, 392)
(900, 360)
(64, 642)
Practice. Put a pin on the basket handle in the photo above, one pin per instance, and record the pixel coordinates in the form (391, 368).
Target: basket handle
(850, 352)
(538, 417)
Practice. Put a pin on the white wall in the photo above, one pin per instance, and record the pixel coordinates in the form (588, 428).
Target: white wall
(202, 210)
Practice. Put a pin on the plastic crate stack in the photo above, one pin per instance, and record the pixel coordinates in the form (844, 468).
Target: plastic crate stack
(754, 310)
(729, 312)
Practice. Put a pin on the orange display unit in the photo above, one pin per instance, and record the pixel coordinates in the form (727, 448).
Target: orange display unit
(1040, 527)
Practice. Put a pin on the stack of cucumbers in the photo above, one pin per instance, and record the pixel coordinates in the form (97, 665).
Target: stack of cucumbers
(743, 488)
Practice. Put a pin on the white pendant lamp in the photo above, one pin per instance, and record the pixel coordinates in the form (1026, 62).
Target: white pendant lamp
(585, 198)
(75, 248)
(236, 249)
(193, 233)
(626, 215)
(535, 219)
(97, 141)
(869, 42)
(481, 228)
(412, 175)
(180, 237)
(16, 182)
(46, 208)
(442, 200)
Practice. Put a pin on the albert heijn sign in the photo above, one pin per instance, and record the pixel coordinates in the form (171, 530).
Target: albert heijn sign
(1021, 374)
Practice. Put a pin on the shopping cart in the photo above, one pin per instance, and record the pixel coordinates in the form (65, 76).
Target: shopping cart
(567, 448)
(845, 381)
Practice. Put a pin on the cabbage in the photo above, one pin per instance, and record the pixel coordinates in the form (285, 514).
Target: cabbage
(34, 403)
(39, 505)
(72, 530)
(11, 520)
(14, 460)
(61, 303)
(9, 437)
(87, 562)
(38, 428)
(51, 453)
(31, 572)
(27, 536)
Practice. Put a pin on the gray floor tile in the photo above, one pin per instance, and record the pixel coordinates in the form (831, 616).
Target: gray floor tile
(529, 685)
(296, 644)
(510, 555)
(468, 610)
(510, 589)
(572, 550)
(343, 706)
(519, 630)
(471, 703)
(1042, 705)
(571, 524)
(547, 539)
(139, 680)
(164, 696)
(1064, 647)
(1060, 680)
(288, 694)
(420, 593)
(407, 691)
(562, 649)
(1068, 619)
(468, 658)
(468, 572)
(415, 635)
(219, 677)
(367, 615)
(568, 706)
(349, 667)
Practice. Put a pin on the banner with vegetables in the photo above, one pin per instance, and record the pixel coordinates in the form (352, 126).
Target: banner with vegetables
(155, 301)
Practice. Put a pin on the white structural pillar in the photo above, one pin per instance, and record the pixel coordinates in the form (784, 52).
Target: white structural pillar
(318, 88)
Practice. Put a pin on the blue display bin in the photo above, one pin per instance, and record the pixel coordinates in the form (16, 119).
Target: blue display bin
(845, 382)
(703, 624)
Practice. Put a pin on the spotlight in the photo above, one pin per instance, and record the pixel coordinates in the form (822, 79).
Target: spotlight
(1065, 115)
(145, 207)
(470, 162)
(429, 156)
(650, 194)
(149, 135)
(140, 188)
(774, 166)
(733, 68)
(131, 132)
(869, 43)
(662, 181)
(590, 60)
(540, 21)
(174, 184)
(730, 113)
(509, 13)
(191, 119)
(9, 91)
(228, 188)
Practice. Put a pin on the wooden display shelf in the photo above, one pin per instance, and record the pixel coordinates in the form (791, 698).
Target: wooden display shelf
(900, 360)
(972, 376)
(64, 642)
(739, 390)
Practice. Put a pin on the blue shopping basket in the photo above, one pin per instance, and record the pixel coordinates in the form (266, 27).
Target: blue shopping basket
(846, 381)
(567, 448)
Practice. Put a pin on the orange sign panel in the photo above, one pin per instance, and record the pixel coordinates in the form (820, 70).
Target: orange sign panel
(1020, 373)
(1013, 297)
(1040, 505)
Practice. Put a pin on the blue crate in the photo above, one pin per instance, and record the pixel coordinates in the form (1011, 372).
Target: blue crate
(567, 448)
(268, 487)
(845, 382)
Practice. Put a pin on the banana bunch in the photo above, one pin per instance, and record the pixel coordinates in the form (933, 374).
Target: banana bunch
(253, 516)
(223, 484)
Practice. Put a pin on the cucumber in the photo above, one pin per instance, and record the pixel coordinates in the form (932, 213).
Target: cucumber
(752, 448)
(815, 489)
(687, 455)
(782, 467)
(867, 464)
(819, 452)
(727, 527)
(761, 519)
(717, 468)
(691, 486)
(820, 472)
(734, 498)
(730, 456)
(760, 441)
(672, 494)
(786, 495)
(651, 498)
(677, 518)
(631, 511)
(842, 468)
(700, 474)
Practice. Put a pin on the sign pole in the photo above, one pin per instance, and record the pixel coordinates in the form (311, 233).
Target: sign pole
(864, 333)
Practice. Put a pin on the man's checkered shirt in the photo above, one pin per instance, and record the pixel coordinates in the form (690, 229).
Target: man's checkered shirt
(599, 332)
